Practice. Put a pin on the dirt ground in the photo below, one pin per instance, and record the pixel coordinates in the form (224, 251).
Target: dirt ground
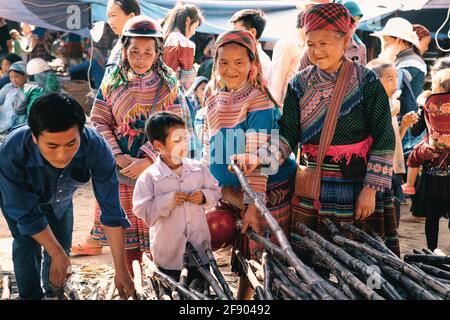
(412, 235)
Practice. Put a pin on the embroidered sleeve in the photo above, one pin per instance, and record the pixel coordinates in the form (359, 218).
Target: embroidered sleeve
(380, 157)
(102, 119)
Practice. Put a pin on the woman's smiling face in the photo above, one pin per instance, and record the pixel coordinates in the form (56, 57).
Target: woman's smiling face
(233, 64)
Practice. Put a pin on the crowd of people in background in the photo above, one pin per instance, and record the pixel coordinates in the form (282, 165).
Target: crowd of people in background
(176, 114)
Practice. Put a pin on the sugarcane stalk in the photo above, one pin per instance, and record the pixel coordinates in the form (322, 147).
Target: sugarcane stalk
(428, 259)
(413, 272)
(413, 288)
(71, 292)
(259, 272)
(355, 264)
(417, 251)
(102, 289)
(267, 282)
(176, 295)
(433, 271)
(206, 274)
(267, 244)
(155, 272)
(185, 270)
(303, 270)
(259, 290)
(427, 251)
(216, 271)
(140, 294)
(365, 238)
(280, 285)
(351, 294)
(111, 290)
(339, 270)
(6, 294)
(331, 227)
(279, 275)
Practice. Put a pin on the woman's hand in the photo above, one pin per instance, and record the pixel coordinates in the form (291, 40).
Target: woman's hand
(365, 205)
(247, 162)
(409, 119)
(251, 219)
(136, 167)
(123, 160)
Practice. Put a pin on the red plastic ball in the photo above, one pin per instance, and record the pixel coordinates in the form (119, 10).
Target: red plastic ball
(222, 226)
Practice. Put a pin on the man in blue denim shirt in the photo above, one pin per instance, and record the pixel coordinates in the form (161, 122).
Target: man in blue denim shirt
(41, 166)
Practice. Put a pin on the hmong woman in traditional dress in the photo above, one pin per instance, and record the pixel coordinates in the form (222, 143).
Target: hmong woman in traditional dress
(357, 169)
(141, 85)
(179, 51)
(241, 115)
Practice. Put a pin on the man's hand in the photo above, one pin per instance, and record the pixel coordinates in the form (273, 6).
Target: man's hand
(365, 205)
(251, 219)
(181, 197)
(59, 267)
(197, 197)
(124, 284)
(247, 162)
(123, 160)
(136, 167)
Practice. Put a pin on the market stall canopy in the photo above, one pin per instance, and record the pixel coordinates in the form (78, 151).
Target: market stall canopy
(70, 15)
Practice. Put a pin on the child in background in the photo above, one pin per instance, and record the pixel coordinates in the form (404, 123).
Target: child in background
(198, 112)
(179, 51)
(440, 85)
(171, 196)
(387, 73)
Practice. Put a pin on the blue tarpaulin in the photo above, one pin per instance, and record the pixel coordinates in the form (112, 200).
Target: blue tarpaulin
(70, 15)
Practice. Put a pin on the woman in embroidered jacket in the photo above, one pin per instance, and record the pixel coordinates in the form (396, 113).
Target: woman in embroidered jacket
(357, 169)
(179, 51)
(241, 116)
(141, 85)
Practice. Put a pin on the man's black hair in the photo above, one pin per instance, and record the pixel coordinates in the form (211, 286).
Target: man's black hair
(55, 112)
(251, 18)
(159, 124)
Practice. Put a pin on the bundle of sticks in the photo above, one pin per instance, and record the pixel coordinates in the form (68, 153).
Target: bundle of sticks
(337, 268)
(211, 285)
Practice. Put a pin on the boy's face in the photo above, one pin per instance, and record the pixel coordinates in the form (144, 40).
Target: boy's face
(200, 91)
(18, 80)
(388, 78)
(176, 146)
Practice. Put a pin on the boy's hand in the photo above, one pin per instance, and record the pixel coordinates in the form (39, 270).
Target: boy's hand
(181, 197)
(197, 197)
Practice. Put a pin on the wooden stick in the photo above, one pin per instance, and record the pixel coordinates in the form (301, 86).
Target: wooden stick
(111, 290)
(101, 291)
(140, 294)
(251, 276)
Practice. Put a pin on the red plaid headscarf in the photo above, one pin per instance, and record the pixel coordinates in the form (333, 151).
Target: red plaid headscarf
(421, 31)
(328, 16)
(246, 39)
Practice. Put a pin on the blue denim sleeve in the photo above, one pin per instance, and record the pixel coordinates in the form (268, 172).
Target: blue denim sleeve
(106, 187)
(18, 199)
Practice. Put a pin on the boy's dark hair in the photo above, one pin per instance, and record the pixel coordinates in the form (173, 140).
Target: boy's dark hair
(299, 23)
(378, 66)
(176, 18)
(251, 18)
(129, 6)
(158, 125)
(55, 112)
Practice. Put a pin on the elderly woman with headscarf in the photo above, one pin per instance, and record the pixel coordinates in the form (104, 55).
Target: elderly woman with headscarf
(241, 116)
(353, 183)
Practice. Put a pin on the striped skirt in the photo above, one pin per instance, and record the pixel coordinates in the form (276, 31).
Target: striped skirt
(338, 198)
(137, 238)
(278, 202)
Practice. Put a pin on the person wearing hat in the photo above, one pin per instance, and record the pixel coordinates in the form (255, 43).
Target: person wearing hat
(356, 50)
(400, 44)
(18, 76)
(7, 61)
(42, 164)
(355, 179)
(135, 89)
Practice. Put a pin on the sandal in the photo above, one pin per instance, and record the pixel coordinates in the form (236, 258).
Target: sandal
(408, 190)
(86, 250)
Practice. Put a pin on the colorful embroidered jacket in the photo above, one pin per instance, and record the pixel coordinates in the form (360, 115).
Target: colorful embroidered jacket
(236, 123)
(178, 54)
(120, 111)
(364, 115)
